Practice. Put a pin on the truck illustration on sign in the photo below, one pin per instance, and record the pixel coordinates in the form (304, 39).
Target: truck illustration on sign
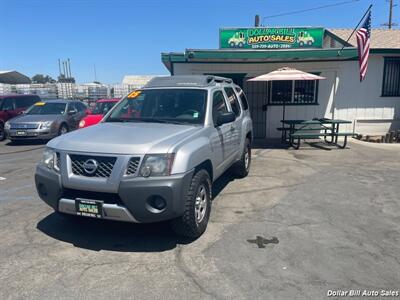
(271, 38)
(305, 39)
(237, 40)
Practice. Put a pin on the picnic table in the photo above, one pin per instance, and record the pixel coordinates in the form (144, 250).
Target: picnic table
(313, 129)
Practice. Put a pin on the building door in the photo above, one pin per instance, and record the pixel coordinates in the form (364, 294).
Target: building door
(257, 95)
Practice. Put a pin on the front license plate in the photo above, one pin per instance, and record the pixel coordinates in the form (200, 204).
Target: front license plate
(21, 133)
(89, 208)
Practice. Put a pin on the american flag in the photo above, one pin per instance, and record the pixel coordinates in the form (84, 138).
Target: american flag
(363, 41)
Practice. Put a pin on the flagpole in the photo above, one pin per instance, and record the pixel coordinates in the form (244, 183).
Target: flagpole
(369, 8)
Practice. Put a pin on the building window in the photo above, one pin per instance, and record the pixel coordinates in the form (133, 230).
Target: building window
(299, 92)
(391, 77)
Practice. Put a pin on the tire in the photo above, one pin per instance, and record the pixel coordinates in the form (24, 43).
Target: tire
(195, 217)
(2, 133)
(301, 44)
(63, 129)
(309, 43)
(240, 45)
(242, 167)
(232, 44)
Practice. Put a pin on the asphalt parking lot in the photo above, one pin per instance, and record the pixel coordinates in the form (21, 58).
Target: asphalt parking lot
(302, 223)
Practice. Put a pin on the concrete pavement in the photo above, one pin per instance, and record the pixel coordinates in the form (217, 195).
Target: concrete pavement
(327, 220)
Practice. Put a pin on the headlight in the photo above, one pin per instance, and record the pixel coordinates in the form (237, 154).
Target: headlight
(49, 159)
(7, 126)
(157, 165)
(82, 124)
(46, 125)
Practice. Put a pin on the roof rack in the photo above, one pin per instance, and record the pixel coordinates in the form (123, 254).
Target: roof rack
(186, 80)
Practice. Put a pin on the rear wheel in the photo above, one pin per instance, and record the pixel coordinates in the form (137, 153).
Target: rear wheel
(197, 208)
(63, 129)
(242, 167)
(2, 133)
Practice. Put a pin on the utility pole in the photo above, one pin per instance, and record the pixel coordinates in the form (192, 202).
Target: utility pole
(390, 22)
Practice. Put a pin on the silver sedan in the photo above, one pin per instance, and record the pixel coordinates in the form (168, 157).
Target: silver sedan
(46, 120)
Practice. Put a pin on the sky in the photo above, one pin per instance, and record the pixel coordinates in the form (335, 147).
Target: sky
(121, 37)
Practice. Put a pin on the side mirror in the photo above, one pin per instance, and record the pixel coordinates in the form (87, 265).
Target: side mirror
(72, 111)
(224, 118)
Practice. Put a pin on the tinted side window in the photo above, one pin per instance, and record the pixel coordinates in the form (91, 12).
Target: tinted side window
(71, 106)
(233, 100)
(81, 107)
(219, 105)
(8, 104)
(243, 99)
(25, 102)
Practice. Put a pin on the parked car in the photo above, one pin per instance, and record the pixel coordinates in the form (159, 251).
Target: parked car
(46, 120)
(102, 107)
(13, 105)
(154, 156)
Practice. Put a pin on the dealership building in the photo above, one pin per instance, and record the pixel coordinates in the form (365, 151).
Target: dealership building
(372, 105)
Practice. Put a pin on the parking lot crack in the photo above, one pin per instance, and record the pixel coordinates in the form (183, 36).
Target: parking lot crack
(192, 276)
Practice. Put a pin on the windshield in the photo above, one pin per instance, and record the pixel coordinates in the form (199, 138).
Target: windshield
(102, 108)
(46, 108)
(180, 106)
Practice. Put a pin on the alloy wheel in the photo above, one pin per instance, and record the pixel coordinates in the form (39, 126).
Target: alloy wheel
(201, 203)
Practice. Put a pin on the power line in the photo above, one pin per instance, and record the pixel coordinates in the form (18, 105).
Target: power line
(309, 9)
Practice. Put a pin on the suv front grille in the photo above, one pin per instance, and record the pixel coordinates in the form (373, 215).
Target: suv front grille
(58, 160)
(105, 165)
(110, 198)
(24, 125)
(133, 166)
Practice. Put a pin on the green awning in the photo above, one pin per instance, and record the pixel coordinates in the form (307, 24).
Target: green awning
(246, 56)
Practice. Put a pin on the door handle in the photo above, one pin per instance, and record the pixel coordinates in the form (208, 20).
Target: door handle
(233, 128)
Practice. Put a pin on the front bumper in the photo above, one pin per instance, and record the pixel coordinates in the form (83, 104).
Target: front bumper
(30, 134)
(132, 203)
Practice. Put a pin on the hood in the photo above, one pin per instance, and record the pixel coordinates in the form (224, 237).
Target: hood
(124, 138)
(35, 118)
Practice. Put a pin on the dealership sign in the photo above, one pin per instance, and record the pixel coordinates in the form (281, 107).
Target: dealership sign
(270, 38)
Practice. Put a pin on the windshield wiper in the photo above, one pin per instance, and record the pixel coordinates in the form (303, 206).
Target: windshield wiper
(149, 120)
(122, 120)
(165, 121)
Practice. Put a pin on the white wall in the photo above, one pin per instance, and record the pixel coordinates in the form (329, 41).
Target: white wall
(358, 102)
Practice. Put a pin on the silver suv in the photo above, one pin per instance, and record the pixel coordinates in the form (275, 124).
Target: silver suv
(154, 156)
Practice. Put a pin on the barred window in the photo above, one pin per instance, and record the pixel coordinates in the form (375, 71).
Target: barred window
(299, 92)
(391, 77)
(281, 92)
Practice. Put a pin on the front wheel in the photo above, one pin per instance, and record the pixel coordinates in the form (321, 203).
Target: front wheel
(197, 208)
(2, 133)
(63, 129)
(242, 167)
